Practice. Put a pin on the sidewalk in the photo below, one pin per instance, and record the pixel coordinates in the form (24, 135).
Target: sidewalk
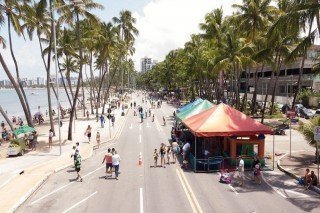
(296, 165)
(37, 166)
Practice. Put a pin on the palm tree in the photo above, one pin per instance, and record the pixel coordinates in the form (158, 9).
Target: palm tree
(12, 8)
(69, 15)
(308, 132)
(127, 32)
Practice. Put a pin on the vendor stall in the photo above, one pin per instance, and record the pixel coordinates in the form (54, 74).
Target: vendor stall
(194, 110)
(225, 133)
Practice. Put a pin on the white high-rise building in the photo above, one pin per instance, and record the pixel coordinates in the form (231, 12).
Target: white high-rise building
(147, 64)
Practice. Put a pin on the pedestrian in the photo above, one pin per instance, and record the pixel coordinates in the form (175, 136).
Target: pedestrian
(113, 150)
(108, 159)
(87, 113)
(116, 163)
(134, 104)
(155, 158)
(2, 124)
(162, 153)
(186, 150)
(149, 112)
(113, 119)
(313, 180)
(88, 132)
(50, 138)
(78, 165)
(102, 121)
(34, 141)
(131, 105)
(169, 153)
(254, 163)
(241, 172)
(257, 173)
(153, 118)
(175, 151)
(164, 121)
(306, 178)
(98, 139)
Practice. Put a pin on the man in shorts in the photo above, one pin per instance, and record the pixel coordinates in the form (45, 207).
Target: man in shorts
(108, 159)
(77, 164)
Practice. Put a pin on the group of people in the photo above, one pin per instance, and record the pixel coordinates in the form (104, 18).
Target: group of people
(165, 153)
(31, 140)
(112, 161)
(18, 121)
(310, 179)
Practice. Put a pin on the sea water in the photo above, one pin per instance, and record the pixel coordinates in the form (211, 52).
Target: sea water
(36, 97)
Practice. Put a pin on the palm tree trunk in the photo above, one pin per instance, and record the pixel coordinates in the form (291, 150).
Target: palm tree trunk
(17, 71)
(64, 85)
(73, 109)
(274, 92)
(244, 100)
(6, 118)
(254, 98)
(16, 87)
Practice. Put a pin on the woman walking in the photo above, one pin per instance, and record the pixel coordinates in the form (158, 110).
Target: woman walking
(50, 138)
(169, 153)
(34, 141)
(88, 132)
(162, 153)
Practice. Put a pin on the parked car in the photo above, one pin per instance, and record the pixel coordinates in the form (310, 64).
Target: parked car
(305, 113)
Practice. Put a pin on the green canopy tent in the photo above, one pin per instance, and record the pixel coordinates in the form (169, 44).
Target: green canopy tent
(196, 109)
(23, 129)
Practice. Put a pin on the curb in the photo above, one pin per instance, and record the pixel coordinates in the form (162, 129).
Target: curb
(29, 193)
(294, 176)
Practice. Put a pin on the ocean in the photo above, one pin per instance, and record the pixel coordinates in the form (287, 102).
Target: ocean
(36, 97)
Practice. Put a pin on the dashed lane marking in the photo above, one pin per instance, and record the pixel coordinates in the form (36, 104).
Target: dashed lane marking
(81, 201)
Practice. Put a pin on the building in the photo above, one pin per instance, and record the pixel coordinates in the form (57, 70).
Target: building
(40, 81)
(147, 64)
(288, 76)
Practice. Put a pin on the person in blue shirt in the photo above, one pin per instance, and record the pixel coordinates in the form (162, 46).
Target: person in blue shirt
(102, 121)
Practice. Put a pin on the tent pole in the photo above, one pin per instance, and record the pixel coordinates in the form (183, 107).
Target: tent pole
(195, 154)
(273, 153)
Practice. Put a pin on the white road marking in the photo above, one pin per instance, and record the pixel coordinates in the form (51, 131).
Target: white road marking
(140, 127)
(233, 189)
(140, 138)
(297, 193)
(148, 126)
(186, 192)
(81, 201)
(141, 200)
(62, 187)
(131, 126)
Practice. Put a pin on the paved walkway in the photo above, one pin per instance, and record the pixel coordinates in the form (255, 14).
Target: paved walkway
(20, 176)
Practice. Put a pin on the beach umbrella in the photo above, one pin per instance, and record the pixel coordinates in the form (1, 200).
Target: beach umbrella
(23, 129)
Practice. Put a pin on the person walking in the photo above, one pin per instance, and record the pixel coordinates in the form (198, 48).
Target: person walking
(77, 164)
(88, 132)
(155, 158)
(50, 138)
(98, 139)
(108, 159)
(241, 172)
(153, 118)
(169, 153)
(113, 119)
(175, 151)
(116, 163)
(257, 173)
(164, 121)
(102, 121)
(87, 113)
(162, 153)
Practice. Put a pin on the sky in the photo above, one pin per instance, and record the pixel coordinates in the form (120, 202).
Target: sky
(163, 25)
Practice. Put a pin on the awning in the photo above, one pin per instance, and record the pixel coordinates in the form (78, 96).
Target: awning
(189, 105)
(195, 109)
(223, 120)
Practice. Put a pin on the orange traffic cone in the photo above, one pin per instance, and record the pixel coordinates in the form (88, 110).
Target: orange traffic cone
(140, 159)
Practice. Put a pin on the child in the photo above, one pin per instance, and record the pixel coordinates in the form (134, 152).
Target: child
(155, 157)
(169, 152)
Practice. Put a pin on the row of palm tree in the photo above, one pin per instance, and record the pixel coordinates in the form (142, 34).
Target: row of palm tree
(95, 51)
(230, 49)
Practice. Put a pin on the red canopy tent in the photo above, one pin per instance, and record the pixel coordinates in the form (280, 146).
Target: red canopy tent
(224, 120)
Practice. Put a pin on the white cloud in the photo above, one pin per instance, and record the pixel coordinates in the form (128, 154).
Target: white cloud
(168, 24)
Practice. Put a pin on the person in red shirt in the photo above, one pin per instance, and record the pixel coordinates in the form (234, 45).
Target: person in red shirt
(108, 159)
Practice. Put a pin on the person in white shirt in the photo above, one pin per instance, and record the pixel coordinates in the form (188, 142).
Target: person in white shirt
(186, 149)
(116, 163)
(241, 172)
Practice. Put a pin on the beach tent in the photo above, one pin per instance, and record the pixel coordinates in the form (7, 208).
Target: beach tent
(223, 120)
(196, 109)
(189, 105)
